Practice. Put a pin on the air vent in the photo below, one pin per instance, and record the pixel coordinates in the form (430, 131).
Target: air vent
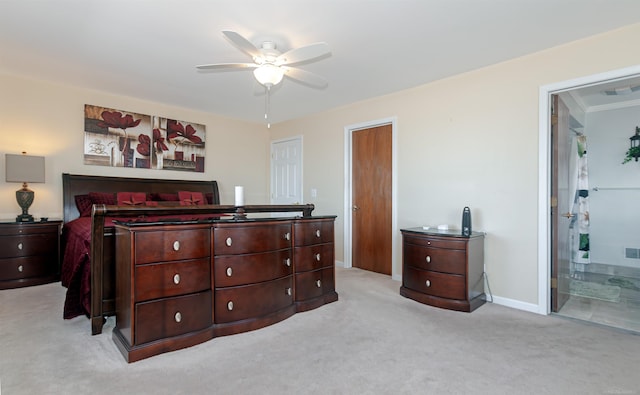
(632, 253)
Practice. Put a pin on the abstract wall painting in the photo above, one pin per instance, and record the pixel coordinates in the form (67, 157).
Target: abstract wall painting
(126, 139)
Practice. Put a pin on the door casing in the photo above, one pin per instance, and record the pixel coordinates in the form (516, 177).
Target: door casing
(396, 270)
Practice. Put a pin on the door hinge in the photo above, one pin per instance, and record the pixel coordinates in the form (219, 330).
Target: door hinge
(554, 202)
(554, 120)
(554, 283)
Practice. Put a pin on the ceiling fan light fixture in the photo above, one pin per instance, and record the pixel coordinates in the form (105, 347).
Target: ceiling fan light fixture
(268, 74)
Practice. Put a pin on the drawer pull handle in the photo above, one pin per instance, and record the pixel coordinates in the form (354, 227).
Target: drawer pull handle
(318, 283)
(230, 305)
(289, 291)
(20, 246)
(178, 317)
(318, 257)
(176, 245)
(318, 233)
(176, 279)
(428, 283)
(428, 259)
(287, 236)
(287, 262)
(428, 243)
(229, 272)
(20, 268)
(228, 242)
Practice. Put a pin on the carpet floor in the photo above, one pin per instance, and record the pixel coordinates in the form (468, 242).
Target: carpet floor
(371, 341)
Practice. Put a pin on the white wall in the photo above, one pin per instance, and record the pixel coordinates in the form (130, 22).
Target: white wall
(471, 139)
(46, 119)
(614, 214)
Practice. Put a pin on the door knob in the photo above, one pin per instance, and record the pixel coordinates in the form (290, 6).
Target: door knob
(568, 215)
(355, 208)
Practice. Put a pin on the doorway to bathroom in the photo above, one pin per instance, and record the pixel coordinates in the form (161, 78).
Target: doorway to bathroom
(594, 190)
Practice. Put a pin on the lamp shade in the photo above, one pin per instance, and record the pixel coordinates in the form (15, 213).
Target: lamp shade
(24, 168)
(269, 74)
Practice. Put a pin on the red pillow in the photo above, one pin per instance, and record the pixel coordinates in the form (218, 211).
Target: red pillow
(191, 198)
(165, 197)
(131, 198)
(209, 197)
(103, 198)
(84, 205)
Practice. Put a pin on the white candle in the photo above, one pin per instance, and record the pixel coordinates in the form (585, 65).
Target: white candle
(239, 196)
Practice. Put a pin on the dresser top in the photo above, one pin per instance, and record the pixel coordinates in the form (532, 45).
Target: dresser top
(434, 231)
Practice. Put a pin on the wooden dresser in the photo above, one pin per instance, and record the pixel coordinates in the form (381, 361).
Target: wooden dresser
(180, 284)
(443, 268)
(29, 253)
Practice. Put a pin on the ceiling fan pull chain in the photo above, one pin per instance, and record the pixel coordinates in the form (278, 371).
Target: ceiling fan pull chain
(267, 103)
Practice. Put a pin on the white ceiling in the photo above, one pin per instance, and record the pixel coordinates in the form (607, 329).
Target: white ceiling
(149, 48)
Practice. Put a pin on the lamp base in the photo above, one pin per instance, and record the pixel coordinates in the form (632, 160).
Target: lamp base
(25, 218)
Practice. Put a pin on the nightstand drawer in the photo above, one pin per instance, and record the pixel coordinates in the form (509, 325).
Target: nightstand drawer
(435, 242)
(169, 317)
(171, 245)
(449, 286)
(436, 259)
(28, 245)
(159, 280)
(26, 267)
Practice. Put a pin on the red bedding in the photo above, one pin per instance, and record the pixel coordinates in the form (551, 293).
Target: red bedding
(76, 263)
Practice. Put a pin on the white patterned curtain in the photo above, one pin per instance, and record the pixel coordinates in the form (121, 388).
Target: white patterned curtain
(582, 200)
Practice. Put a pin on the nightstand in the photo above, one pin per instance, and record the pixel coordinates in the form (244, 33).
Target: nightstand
(29, 253)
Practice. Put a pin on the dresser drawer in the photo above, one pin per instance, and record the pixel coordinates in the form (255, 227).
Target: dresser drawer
(171, 245)
(158, 280)
(28, 245)
(436, 259)
(252, 301)
(313, 257)
(251, 239)
(449, 286)
(168, 317)
(316, 232)
(315, 283)
(435, 242)
(233, 270)
(26, 267)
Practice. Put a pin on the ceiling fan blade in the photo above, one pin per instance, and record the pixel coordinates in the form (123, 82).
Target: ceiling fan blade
(242, 43)
(226, 66)
(305, 77)
(303, 54)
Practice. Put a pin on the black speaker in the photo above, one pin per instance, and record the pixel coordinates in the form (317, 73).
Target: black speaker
(466, 222)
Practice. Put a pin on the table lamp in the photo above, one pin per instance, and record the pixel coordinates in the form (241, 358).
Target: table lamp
(24, 168)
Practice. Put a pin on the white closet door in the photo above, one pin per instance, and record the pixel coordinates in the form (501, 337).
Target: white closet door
(286, 171)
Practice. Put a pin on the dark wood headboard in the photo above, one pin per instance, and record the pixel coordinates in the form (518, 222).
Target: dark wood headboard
(74, 184)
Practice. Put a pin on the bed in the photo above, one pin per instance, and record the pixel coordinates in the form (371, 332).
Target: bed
(88, 241)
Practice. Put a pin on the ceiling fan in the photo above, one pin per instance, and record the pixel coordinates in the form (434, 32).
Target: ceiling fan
(270, 65)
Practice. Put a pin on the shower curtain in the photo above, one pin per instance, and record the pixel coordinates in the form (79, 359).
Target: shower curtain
(581, 200)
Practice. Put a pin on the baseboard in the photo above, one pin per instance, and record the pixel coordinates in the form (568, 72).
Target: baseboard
(516, 304)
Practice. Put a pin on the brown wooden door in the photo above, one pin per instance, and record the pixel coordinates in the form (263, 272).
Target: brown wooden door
(371, 205)
(560, 204)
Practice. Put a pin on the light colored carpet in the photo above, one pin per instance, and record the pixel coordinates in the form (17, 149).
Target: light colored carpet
(372, 341)
(608, 293)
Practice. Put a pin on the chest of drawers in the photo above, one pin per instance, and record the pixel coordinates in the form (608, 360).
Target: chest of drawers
(181, 284)
(443, 269)
(29, 253)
